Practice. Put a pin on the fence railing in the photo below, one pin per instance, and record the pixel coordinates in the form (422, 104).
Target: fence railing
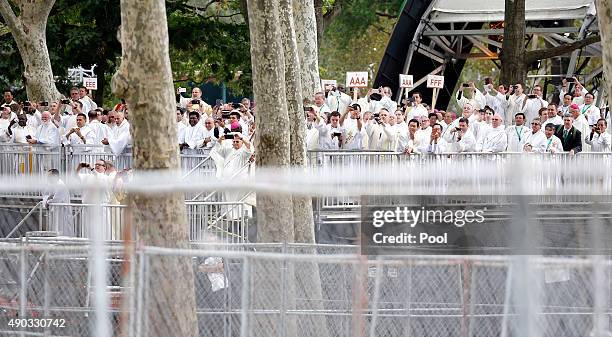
(225, 221)
(289, 291)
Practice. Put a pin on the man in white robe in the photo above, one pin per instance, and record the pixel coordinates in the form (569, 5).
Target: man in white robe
(463, 140)
(599, 139)
(192, 137)
(337, 100)
(416, 109)
(495, 140)
(354, 129)
(21, 131)
(46, 133)
(410, 142)
(552, 143)
(60, 216)
(472, 95)
(589, 110)
(535, 138)
(331, 136)
(100, 131)
(581, 124)
(553, 116)
(517, 133)
(96, 176)
(6, 123)
(435, 144)
(533, 103)
(196, 95)
(120, 137)
(515, 102)
(209, 133)
(382, 135)
(232, 163)
(80, 135)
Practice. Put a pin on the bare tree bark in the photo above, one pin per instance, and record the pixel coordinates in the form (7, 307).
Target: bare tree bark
(513, 69)
(604, 17)
(144, 80)
(308, 52)
(29, 31)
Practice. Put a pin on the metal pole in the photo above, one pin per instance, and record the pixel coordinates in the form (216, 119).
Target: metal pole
(140, 291)
(376, 297)
(283, 309)
(507, 298)
(23, 285)
(46, 291)
(246, 285)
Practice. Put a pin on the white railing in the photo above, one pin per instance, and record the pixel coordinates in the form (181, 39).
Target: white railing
(226, 221)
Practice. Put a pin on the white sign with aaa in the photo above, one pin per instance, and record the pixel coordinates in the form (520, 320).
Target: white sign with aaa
(435, 81)
(91, 83)
(406, 81)
(357, 79)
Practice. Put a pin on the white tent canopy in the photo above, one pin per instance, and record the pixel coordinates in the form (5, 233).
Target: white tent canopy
(445, 11)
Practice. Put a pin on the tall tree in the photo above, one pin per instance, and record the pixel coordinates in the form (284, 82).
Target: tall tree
(512, 57)
(28, 27)
(604, 17)
(144, 80)
(308, 52)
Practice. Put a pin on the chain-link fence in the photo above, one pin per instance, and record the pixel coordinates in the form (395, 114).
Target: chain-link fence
(303, 290)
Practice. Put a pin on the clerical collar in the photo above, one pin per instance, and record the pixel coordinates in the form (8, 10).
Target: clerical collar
(564, 129)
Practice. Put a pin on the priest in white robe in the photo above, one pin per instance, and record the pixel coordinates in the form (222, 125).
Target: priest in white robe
(552, 143)
(496, 139)
(46, 133)
(232, 163)
(535, 138)
(120, 137)
(80, 135)
(517, 133)
(192, 137)
(60, 216)
(21, 132)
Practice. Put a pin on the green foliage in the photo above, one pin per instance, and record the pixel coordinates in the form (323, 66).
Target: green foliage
(84, 32)
(357, 38)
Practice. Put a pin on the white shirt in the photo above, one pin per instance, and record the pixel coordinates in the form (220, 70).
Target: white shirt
(405, 142)
(74, 139)
(338, 101)
(382, 137)
(517, 136)
(557, 120)
(326, 131)
(600, 142)
(591, 113)
(515, 105)
(494, 141)
(467, 143)
(120, 137)
(100, 131)
(416, 112)
(193, 136)
(550, 145)
(20, 132)
(535, 140)
(47, 133)
(532, 107)
(228, 160)
(353, 137)
(429, 148)
(4, 125)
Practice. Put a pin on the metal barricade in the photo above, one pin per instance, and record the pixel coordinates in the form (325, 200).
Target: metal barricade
(226, 222)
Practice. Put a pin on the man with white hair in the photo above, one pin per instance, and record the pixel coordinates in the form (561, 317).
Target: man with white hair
(382, 135)
(495, 140)
(46, 133)
(120, 137)
(533, 103)
(321, 107)
(209, 133)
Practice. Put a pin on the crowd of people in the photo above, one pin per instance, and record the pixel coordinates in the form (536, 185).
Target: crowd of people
(494, 119)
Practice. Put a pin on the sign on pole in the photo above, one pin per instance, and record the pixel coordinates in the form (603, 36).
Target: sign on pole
(91, 83)
(406, 81)
(356, 79)
(435, 81)
(328, 84)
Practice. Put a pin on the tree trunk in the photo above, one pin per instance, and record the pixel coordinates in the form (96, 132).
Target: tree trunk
(274, 211)
(29, 31)
(318, 7)
(144, 80)
(306, 35)
(513, 69)
(604, 17)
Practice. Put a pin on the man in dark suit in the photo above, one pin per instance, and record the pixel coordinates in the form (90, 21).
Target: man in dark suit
(571, 138)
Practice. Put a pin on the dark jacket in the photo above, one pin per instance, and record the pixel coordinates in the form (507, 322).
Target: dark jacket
(573, 141)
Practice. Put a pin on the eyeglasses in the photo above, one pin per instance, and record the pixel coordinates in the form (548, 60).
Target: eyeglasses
(535, 123)
(99, 164)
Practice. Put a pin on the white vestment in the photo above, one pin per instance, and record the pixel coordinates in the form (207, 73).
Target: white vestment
(494, 141)
(60, 216)
(231, 164)
(517, 135)
(120, 138)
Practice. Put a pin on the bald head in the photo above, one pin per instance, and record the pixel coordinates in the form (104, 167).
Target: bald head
(45, 116)
(209, 123)
(119, 117)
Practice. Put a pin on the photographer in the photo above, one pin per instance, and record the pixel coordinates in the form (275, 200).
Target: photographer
(80, 135)
(599, 139)
(331, 136)
(516, 100)
(463, 139)
(578, 92)
(468, 93)
(21, 132)
(382, 135)
(533, 103)
(196, 102)
(409, 142)
(496, 98)
(337, 99)
(32, 112)
(354, 129)
(435, 144)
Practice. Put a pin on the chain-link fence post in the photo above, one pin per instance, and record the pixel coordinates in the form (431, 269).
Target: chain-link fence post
(246, 290)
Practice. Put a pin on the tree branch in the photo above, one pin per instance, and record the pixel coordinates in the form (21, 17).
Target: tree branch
(332, 14)
(534, 55)
(12, 21)
(221, 16)
(386, 15)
